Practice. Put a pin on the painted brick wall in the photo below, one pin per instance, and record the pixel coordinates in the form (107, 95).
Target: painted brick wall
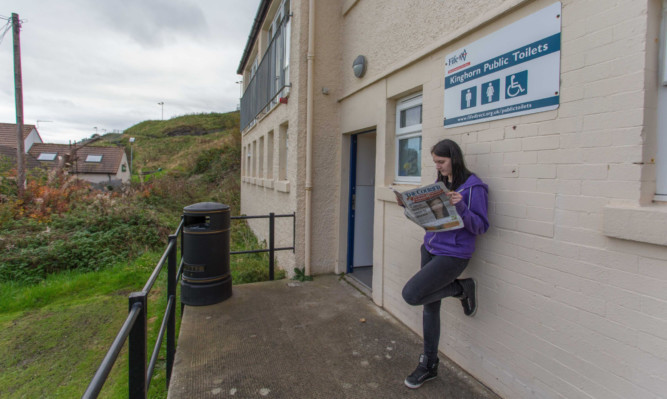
(565, 310)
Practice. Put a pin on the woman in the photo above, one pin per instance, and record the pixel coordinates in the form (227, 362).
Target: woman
(445, 254)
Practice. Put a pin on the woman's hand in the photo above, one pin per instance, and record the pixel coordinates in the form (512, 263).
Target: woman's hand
(454, 197)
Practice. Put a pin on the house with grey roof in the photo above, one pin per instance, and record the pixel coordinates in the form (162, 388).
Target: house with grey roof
(90, 163)
(8, 136)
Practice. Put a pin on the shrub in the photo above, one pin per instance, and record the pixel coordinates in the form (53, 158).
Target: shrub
(88, 237)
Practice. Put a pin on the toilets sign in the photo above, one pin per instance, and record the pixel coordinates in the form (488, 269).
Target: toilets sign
(513, 71)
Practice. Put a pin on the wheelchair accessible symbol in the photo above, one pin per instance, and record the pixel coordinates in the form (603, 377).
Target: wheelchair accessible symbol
(516, 84)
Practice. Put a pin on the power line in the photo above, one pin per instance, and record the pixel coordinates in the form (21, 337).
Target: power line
(6, 29)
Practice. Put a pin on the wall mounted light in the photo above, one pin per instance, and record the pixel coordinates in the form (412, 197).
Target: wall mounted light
(359, 66)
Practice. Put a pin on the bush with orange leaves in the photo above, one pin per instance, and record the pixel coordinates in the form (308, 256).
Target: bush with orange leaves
(61, 223)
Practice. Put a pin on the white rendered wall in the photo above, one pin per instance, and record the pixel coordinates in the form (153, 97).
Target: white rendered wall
(571, 305)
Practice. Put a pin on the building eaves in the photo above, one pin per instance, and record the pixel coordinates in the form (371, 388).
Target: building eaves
(254, 32)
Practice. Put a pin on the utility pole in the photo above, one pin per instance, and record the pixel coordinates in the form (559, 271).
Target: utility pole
(18, 87)
(161, 104)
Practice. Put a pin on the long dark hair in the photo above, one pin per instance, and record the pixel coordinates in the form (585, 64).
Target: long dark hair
(449, 149)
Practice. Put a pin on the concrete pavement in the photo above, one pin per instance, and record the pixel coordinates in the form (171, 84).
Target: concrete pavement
(316, 339)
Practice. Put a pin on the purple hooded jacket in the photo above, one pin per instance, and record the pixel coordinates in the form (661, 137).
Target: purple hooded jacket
(460, 243)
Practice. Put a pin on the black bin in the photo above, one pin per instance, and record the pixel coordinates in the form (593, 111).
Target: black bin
(206, 278)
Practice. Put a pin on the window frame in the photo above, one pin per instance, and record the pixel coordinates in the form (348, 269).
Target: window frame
(94, 158)
(47, 156)
(407, 132)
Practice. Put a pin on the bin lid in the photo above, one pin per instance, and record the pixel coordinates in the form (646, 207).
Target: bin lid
(206, 207)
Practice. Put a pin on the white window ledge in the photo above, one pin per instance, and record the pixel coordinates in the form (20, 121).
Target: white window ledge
(282, 186)
(636, 223)
(278, 185)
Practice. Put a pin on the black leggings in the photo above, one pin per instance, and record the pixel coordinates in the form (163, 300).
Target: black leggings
(435, 280)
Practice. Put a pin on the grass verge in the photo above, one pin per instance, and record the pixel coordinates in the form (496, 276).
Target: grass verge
(53, 335)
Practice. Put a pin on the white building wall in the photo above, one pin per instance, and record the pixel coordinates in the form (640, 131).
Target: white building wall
(261, 195)
(120, 175)
(284, 191)
(32, 138)
(94, 177)
(571, 304)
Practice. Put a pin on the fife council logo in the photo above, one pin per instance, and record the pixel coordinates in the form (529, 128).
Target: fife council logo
(457, 58)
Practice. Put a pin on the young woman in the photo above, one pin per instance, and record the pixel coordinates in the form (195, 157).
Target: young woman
(445, 254)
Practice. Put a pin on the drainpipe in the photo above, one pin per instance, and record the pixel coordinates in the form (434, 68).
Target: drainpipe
(309, 131)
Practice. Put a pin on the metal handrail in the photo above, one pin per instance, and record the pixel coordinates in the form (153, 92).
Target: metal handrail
(156, 272)
(158, 342)
(103, 371)
(135, 329)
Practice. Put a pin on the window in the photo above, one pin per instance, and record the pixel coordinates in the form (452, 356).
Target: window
(269, 71)
(409, 139)
(243, 161)
(248, 168)
(283, 140)
(278, 36)
(253, 67)
(47, 156)
(253, 159)
(260, 158)
(94, 158)
(269, 155)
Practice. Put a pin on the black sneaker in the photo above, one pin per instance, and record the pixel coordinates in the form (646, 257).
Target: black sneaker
(469, 296)
(422, 373)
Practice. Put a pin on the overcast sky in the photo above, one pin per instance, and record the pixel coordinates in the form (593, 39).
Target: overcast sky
(108, 63)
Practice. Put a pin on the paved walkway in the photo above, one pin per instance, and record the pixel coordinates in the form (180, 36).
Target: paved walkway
(317, 339)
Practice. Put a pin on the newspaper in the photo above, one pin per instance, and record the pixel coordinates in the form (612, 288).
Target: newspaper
(429, 207)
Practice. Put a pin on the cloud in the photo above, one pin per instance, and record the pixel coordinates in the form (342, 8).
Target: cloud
(154, 22)
(105, 63)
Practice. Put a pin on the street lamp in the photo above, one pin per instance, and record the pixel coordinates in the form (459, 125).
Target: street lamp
(131, 154)
(161, 104)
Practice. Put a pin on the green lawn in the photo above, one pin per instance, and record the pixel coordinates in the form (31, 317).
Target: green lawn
(54, 335)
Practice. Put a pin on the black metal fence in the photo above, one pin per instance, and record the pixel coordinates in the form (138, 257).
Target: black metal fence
(135, 327)
(272, 243)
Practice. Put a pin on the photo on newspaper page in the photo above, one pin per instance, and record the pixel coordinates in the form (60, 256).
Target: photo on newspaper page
(429, 207)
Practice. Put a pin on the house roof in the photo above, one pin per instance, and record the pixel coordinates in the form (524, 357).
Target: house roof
(259, 18)
(8, 133)
(10, 153)
(109, 162)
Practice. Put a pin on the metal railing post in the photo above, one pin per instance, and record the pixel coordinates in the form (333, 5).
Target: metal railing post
(137, 348)
(178, 277)
(171, 293)
(272, 246)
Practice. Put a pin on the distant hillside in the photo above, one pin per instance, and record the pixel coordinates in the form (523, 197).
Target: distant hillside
(177, 145)
(186, 125)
